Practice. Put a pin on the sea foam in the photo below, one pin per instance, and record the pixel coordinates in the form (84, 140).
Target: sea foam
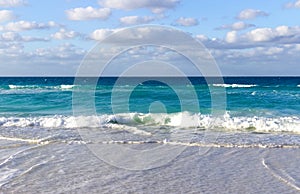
(235, 85)
(63, 87)
(177, 120)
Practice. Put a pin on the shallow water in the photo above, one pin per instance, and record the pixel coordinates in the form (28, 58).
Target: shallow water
(68, 166)
(60, 161)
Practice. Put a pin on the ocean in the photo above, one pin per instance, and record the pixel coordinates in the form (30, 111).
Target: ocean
(49, 126)
(269, 104)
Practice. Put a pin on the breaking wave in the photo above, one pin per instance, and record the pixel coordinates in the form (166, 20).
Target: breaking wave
(63, 87)
(234, 85)
(183, 120)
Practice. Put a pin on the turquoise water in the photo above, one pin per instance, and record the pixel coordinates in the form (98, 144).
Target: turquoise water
(252, 103)
(61, 136)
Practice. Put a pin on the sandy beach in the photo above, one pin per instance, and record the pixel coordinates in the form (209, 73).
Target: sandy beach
(68, 166)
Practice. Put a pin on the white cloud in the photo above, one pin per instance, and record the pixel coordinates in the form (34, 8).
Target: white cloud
(231, 37)
(26, 25)
(6, 15)
(62, 51)
(12, 50)
(100, 34)
(251, 14)
(156, 6)
(241, 26)
(64, 34)
(58, 60)
(134, 20)
(15, 37)
(12, 3)
(133, 34)
(279, 34)
(33, 39)
(187, 21)
(88, 13)
(285, 30)
(10, 36)
(295, 4)
(260, 60)
(201, 37)
(236, 26)
(261, 35)
(273, 50)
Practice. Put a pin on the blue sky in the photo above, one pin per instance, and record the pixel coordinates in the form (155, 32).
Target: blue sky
(249, 37)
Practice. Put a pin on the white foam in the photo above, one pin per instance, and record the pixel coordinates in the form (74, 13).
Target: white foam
(31, 141)
(234, 85)
(132, 121)
(25, 87)
(182, 119)
(16, 86)
(63, 87)
(203, 144)
(67, 86)
(290, 182)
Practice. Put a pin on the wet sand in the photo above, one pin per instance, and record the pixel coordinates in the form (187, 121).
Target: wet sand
(70, 167)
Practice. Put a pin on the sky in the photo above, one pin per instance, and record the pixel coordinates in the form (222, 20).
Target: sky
(51, 38)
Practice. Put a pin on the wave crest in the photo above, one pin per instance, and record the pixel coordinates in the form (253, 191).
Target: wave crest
(177, 120)
(235, 85)
(63, 87)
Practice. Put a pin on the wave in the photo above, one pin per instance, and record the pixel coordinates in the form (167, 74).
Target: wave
(63, 87)
(185, 120)
(70, 86)
(204, 144)
(67, 86)
(235, 85)
(23, 86)
(30, 141)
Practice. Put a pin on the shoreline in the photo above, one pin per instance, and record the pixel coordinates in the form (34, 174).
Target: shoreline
(49, 168)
